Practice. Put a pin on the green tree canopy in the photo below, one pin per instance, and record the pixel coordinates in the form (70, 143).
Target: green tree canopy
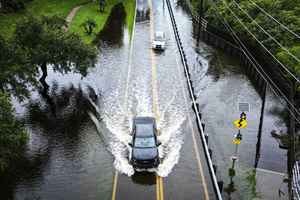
(15, 73)
(45, 42)
(36, 43)
(285, 11)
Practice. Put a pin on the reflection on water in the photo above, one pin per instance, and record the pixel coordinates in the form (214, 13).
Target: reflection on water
(61, 148)
(220, 83)
(64, 110)
(112, 33)
(142, 11)
(65, 157)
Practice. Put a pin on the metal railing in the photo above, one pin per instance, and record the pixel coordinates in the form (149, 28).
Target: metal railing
(296, 181)
(195, 105)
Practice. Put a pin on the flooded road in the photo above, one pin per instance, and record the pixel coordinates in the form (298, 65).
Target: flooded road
(79, 133)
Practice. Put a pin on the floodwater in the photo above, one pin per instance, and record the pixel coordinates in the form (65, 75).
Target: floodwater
(80, 130)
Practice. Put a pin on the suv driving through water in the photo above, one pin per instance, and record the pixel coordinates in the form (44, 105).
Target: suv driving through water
(144, 143)
(159, 42)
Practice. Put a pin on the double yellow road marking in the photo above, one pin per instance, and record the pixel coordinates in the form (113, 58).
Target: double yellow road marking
(113, 196)
(159, 180)
(159, 188)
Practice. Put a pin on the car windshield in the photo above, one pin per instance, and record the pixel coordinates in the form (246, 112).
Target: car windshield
(144, 130)
(159, 36)
(144, 142)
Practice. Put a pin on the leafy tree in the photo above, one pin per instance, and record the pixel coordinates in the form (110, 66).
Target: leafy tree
(13, 5)
(285, 58)
(89, 26)
(37, 43)
(12, 134)
(15, 73)
(286, 11)
(46, 43)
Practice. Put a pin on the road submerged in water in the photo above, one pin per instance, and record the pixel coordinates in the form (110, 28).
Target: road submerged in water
(66, 158)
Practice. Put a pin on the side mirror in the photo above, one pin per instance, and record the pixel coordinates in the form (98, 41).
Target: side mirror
(130, 144)
(158, 144)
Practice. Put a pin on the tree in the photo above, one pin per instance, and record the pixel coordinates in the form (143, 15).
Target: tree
(285, 11)
(12, 134)
(15, 73)
(12, 5)
(46, 43)
(89, 26)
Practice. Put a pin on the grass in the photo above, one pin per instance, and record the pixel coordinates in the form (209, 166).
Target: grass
(36, 8)
(130, 12)
(91, 11)
(61, 8)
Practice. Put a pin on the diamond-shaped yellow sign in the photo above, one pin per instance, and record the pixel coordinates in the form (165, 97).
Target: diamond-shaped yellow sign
(240, 123)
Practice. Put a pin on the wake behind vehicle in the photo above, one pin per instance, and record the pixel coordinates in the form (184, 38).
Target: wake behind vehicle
(144, 143)
(159, 42)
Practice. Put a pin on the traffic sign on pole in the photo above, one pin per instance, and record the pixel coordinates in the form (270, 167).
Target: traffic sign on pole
(240, 123)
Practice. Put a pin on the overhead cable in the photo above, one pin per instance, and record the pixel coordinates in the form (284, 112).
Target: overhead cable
(270, 53)
(267, 33)
(255, 64)
(278, 22)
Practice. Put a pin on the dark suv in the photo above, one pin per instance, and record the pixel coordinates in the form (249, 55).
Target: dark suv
(144, 143)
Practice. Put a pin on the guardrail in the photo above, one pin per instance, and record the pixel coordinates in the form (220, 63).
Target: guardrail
(296, 181)
(195, 105)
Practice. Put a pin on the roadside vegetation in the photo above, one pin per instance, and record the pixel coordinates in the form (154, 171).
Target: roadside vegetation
(33, 36)
(36, 8)
(130, 13)
(92, 11)
(287, 12)
(34, 45)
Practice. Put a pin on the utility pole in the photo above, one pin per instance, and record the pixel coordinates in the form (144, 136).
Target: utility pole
(291, 151)
(258, 144)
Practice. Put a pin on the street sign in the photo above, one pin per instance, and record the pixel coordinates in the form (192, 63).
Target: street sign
(240, 123)
(244, 107)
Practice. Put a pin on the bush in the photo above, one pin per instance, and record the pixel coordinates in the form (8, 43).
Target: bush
(89, 25)
(13, 5)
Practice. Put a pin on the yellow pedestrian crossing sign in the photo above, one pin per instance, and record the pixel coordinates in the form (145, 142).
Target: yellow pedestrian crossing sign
(240, 123)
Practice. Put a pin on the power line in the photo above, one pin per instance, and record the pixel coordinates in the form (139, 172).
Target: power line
(253, 20)
(270, 53)
(278, 22)
(262, 73)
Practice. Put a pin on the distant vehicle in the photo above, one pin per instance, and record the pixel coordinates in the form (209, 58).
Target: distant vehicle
(144, 143)
(159, 42)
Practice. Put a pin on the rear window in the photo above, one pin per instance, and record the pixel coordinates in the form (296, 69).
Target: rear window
(144, 142)
(144, 130)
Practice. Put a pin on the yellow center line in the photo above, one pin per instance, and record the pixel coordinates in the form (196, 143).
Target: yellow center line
(157, 189)
(113, 197)
(159, 180)
(115, 181)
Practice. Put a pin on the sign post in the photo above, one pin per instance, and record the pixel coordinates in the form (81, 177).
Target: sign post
(239, 124)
